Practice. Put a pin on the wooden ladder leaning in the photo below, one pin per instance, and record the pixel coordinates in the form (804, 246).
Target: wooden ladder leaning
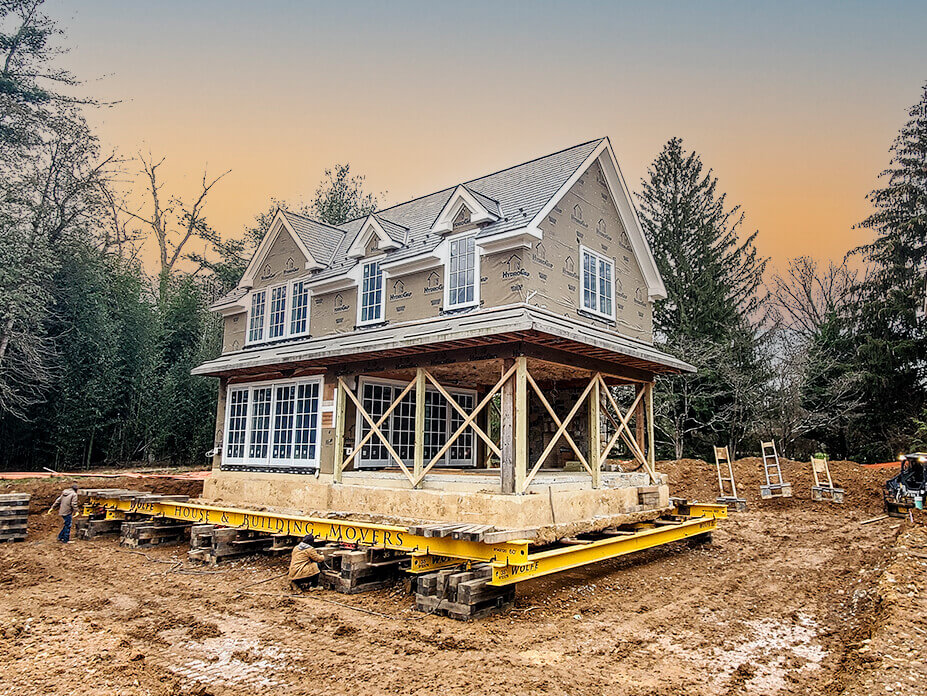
(775, 487)
(726, 483)
(823, 488)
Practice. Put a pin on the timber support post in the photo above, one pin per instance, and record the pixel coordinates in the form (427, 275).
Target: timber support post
(595, 435)
(507, 431)
(340, 400)
(419, 457)
(651, 440)
(521, 424)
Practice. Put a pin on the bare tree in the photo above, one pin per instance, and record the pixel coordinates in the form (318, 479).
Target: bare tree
(173, 222)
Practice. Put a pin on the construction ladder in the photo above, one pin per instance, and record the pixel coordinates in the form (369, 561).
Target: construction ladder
(728, 487)
(775, 487)
(819, 491)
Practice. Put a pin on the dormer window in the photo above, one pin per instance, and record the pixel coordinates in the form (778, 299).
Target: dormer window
(370, 306)
(462, 273)
(279, 312)
(256, 317)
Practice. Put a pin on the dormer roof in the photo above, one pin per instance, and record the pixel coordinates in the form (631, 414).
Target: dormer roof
(389, 236)
(481, 209)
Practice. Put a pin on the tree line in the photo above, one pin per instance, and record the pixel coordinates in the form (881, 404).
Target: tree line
(96, 347)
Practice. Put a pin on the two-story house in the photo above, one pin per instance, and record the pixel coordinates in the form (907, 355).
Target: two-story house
(471, 339)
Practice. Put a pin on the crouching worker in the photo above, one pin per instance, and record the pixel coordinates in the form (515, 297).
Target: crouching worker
(66, 506)
(304, 564)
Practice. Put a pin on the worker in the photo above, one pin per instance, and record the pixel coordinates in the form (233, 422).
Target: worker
(304, 564)
(66, 504)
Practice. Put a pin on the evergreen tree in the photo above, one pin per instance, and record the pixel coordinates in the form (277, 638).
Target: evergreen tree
(714, 283)
(892, 331)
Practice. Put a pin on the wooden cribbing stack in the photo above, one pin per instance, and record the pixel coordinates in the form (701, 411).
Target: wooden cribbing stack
(360, 570)
(462, 594)
(14, 515)
(153, 532)
(211, 544)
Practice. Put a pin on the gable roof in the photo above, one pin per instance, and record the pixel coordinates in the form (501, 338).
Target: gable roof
(519, 191)
(520, 197)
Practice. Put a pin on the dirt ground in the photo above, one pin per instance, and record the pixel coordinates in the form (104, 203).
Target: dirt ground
(792, 597)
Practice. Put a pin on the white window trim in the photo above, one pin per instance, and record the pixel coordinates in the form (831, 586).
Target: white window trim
(269, 461)
(582, 282)
(360, 294)
(358, 427)
(287, 313)
(476, 272)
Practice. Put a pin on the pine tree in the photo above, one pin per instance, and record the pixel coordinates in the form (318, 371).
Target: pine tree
(714, 284)
(892, 329)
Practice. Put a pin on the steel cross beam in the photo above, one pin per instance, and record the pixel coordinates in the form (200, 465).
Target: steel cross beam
(573, 556)
(341, 531)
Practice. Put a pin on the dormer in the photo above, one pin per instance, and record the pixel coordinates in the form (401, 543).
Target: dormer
(387, 235)
(280, 226)
(466, 207)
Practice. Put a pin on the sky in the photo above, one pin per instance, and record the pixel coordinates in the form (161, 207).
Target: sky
(792, 104)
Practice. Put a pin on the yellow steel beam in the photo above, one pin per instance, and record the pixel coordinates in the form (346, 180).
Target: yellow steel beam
(341, 531)
(702, 510)
(557, 560)
(425, 563)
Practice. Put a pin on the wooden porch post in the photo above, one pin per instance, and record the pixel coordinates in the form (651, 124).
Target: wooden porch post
(593, 402)
(651, 442)
(507, 431)
(639, 425)
(521, 424)
(340, 399)
(419, 460)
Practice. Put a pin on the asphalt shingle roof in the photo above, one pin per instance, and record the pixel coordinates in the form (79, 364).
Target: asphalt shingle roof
(519, 192)
(322, 240)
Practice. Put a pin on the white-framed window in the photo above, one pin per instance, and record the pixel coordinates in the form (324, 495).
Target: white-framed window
(278, 312)
(598, 283)
(441, 421)
(299, 312)
(256, 316)
(370, 305)
(461, 282)
(274, 423)
(277, 321)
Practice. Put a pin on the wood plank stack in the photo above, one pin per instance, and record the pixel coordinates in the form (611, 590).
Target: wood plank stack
(97, 525)
(485, 533)
(153, 531)
(14, 515)
(210, 543)
(361, 570)
(648, 496)
(464, 595)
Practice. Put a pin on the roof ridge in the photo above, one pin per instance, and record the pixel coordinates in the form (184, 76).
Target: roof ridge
(484, 176)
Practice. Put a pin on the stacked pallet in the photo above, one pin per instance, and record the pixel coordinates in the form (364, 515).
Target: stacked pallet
(14, 514)
(97, 525)
(464, 595)
(361, 570)
(210, 543)
(153, 531)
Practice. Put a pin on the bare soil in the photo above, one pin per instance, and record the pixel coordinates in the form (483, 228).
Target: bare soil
(792, 597)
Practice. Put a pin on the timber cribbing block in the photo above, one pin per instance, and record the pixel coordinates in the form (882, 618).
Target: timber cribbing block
(211, 543)
(14, 516)
(361, 570)
(462, 594)
(153, 532)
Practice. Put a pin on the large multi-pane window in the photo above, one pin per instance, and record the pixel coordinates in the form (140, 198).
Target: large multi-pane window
(371, 295)
(461, 273)
(598, 291)
(279, 312)
(441, 421)
(273, 424)
(256, 316)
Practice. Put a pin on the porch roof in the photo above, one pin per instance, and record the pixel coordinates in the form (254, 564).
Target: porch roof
(482, 327)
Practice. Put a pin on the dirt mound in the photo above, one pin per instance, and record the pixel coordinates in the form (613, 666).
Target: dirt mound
(697, 479)
(44, 491)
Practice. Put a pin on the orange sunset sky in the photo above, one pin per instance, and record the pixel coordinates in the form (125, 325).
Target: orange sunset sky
(793, 104)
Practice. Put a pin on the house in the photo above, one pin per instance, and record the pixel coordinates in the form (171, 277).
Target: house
(448, 356)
